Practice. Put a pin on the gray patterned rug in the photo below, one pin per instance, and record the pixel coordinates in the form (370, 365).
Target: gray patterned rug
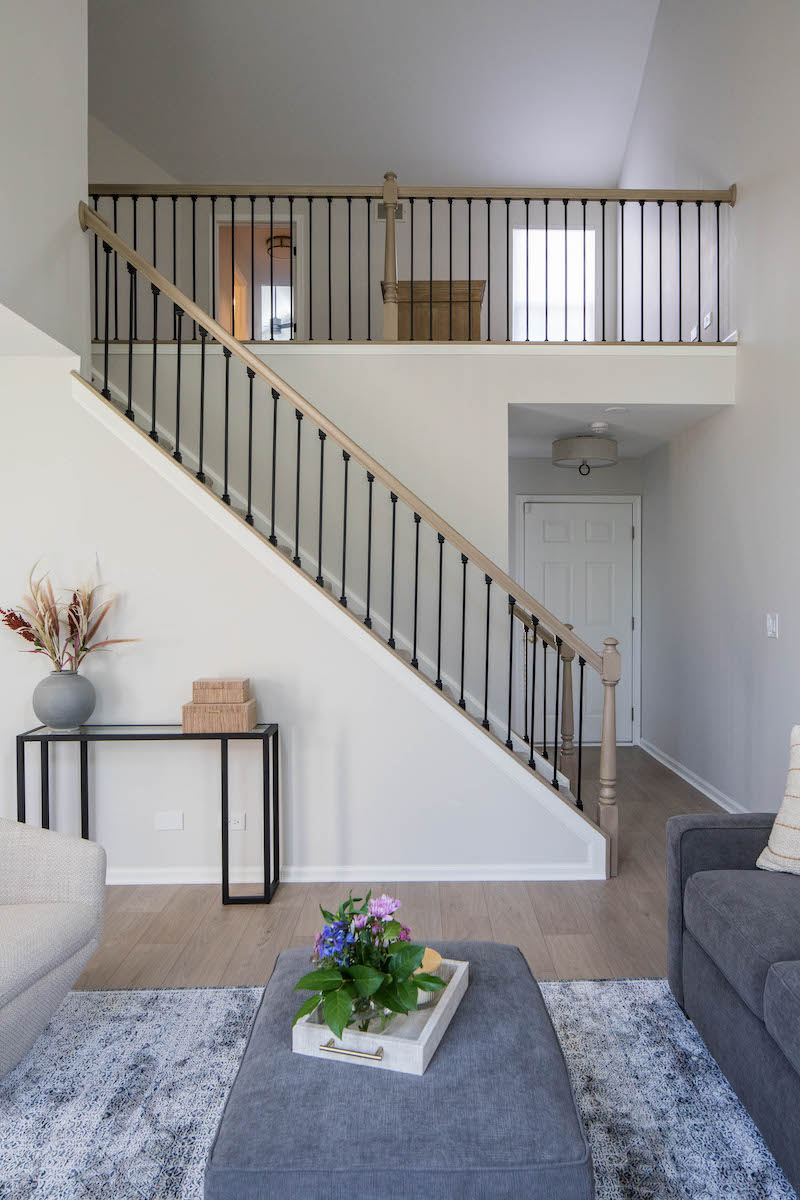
(121, 1095)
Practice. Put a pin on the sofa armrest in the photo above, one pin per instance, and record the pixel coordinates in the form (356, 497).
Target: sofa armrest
(38, 866)
(706, 842)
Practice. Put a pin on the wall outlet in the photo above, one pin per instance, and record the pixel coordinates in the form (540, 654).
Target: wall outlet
(772, 625)
(169, 820)
(237, 820)
(707, 319)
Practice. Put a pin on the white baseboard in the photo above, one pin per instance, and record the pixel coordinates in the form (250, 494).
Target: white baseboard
(391, 872)
(702, 785)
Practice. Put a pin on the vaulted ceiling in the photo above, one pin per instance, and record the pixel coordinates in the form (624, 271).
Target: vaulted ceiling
(538, 92)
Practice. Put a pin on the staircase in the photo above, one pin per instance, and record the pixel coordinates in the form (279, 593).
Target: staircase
(353, 531)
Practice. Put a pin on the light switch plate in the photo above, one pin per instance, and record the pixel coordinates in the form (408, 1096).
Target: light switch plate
(772, 625)
(707, 320)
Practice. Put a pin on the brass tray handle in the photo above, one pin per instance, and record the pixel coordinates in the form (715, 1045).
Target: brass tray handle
(329, 1048)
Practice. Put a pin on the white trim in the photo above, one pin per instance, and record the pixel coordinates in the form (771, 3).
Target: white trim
(517, 571)
(702, 785)
(402, 873)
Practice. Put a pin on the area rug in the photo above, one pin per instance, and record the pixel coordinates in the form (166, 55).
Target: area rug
(121, 1095)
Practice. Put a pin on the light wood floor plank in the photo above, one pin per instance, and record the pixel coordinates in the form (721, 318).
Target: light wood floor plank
(464, 912)
(577, 956)
(205, 956)
(513, 920)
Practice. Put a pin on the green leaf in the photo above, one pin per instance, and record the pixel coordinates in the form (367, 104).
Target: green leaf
(366, 979)
(388, 996)
(406, 961)
(337, 1008)
(429, 983)
(319, 981)
(305, 1008)
(329, 917)
(407, 991)
(393, 929)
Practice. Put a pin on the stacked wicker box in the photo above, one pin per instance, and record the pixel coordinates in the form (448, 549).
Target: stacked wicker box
(220, 706)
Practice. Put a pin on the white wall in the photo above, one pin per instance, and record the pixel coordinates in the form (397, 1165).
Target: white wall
(380, 776)
(114, 160)
(43, 148)
(721, 501)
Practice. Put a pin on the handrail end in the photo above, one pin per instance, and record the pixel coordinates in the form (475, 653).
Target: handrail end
(83, 209)
(733, 193)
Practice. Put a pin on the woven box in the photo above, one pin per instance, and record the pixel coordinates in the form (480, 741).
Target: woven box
(220, 691)
(219, 718)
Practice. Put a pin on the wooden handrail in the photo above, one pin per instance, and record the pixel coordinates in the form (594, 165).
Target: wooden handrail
(221, 190)
(90, 220)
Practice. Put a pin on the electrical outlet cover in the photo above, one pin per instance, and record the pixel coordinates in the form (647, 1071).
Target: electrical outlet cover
(237, 820)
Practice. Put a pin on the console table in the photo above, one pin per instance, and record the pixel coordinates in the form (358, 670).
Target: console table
(266, 734)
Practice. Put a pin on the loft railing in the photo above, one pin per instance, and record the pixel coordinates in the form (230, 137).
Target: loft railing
(239, 424)
(430, 264)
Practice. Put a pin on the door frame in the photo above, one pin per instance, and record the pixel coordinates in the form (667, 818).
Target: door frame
(636, 566)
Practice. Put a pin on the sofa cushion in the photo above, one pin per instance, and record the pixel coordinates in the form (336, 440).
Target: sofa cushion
(782, 1008)
(745, 921)
(34, 938)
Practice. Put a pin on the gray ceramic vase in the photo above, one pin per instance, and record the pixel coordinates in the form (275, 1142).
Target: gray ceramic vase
(64, 700)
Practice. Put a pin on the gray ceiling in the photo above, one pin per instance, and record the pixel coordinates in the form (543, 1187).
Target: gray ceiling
(639, 429)
(538, 92)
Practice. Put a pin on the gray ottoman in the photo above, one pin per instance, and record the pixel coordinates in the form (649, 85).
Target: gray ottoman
(492, 1118)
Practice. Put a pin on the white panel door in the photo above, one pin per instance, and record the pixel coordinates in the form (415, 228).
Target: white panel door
(578, 561)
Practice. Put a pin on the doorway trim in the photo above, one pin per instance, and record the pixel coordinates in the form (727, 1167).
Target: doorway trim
(636, 566)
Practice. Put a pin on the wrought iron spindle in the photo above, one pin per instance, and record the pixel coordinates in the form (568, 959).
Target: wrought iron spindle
(527, 270)
(680, 270)
(583, 206)
(178, 319)
(532, 755)
(603, 264)
(107, 252)
(330, 275)
(115, 200)
(322, 438)
(699, 279)
(272, 269)
(719, 317)
(525, 631)
(417, 520)
(349, 269)
(343, 597)
(555, 727)
(250, 378)
(227, 356)
(275, 397)
(566, 274)
(131, 303)
(174, 257)
(485, 721)
(95, 201)
(641, 270)
(578, 800)
(153, 430)
(508, 268)
(464, 561)
(253, 268)
(469, 269)
(430, 268)
(511, 606)
(291, 268)
(450, 266)
(660, 272)
(622, 269)
(488, 268)
(440, 539)
(296, 558)
(233, 265)
(200, 472)
(544, 699)
(214, 246)
(310, 273)
(546, 267)
(411, 269)
(369, 271)
(368, 617)
(393, 499)
(194, 261)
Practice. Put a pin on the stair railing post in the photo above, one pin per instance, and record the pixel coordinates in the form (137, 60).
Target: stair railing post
(607, 812)
(567, 759)
(390, 324)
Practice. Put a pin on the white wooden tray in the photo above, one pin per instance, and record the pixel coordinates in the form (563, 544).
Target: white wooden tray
(407, 1044)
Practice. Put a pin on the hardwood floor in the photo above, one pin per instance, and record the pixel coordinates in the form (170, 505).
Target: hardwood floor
(182, 936)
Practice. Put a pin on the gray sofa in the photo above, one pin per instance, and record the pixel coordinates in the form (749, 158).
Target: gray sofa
(51, 922)
(734, 965)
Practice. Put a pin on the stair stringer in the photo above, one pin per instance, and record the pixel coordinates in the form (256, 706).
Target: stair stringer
(590, 843)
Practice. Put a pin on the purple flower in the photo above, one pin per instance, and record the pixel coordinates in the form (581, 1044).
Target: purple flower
(360, 921)
(405, 934)
(317, 942)
(383, 907)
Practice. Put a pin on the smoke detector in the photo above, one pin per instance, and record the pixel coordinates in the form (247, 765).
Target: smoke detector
(585, 451)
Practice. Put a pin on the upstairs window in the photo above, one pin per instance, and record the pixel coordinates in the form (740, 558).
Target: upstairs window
(531, 275)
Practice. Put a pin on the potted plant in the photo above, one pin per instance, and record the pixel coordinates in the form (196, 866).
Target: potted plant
(65, 631)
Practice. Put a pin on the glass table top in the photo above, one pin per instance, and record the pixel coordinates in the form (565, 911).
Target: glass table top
(140, 732)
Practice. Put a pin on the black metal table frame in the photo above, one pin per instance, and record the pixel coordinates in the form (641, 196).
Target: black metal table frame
(266, 734)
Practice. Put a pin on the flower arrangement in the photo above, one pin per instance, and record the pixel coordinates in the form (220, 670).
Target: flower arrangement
(365, 966)
(61, 629)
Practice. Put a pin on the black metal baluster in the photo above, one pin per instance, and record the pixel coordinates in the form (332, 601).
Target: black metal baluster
(200, 473)
(253, 268)
(527, 270)
(603, 264)
(566, 277)
(275, 396)
(233, 265)
(450, 267)
(469, 269)
(680, 270)
(291, 269)
(154, 200)
(368, 617)
(178, 318)
(699, 280)
(544, 699)
(369, 271)
(349, 270)
(393, 499)
(641, 271)
(508, 269)
(440, 539)
(131, 303)
(214, 251)
(330, 276)
(464, 560)
(583, 204)
(95, 201)
(174, 256)
(310, 275)
(194, 262)
(555, 727)
(532, 755)
(343, 597)
(250, 377)
(525, 656)
(546, 267)
(107, 252)
(417, 520)
(272, 268)
(227, 356)
(622, 268)
(578, 801)
(719, 317)
(115, 200)
(430, 269)
(488, 268)
(511, 606)
(411, 271)
(296, 558)
(485, 721)
(322, 438)
(660, 275)
(153, 430)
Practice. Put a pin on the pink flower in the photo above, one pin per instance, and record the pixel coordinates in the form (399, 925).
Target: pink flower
(317, 941)
(383, 907)
(360, 921)
(405, 934)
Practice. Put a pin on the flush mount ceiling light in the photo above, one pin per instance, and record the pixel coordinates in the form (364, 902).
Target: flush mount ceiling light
(584, 452)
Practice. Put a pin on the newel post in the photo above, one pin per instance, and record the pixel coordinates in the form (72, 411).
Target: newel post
(607, 812)
(567, 762)
(390, 326)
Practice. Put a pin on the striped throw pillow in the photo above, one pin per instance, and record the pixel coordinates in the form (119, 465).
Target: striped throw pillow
(783, 848)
